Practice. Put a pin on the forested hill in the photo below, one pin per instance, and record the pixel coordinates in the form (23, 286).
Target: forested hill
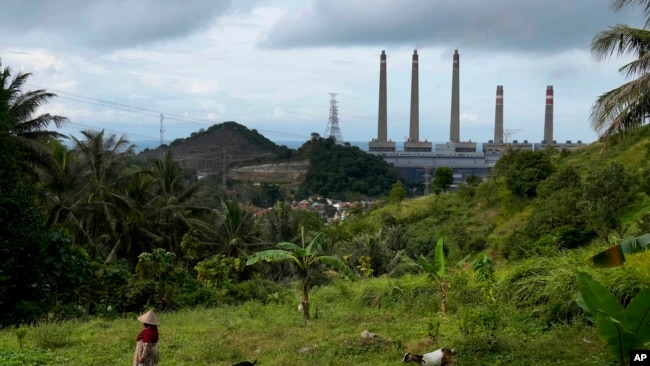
(344, 171)
(231, 137)
(210, 151)
(338, 171)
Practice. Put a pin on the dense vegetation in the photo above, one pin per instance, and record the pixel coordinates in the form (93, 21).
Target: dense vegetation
(498, 269)
(252, 140)
(344, 171)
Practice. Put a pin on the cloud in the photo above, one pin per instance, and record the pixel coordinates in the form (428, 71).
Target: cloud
(108, 24)
(510, 25)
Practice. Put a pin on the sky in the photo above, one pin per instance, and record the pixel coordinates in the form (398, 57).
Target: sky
(271, 65)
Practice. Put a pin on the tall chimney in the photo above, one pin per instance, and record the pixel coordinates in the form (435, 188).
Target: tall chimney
(454, 131)
(415, 103)
(498, 116)
(382, 129)
(548, 116)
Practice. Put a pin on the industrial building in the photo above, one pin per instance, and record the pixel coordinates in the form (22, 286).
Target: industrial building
(419, 159)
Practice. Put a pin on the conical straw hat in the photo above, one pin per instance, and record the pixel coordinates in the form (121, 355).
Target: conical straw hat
(148, 318)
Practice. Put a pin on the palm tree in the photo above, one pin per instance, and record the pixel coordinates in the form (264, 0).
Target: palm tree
(103, 156)
(173, 207)
(304, 257)
(626, 107)
(235, 232)
(29, 131)
(62, 184)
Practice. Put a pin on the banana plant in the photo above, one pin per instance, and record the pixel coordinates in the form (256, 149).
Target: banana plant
(436, 271)
(615, 256)
(304, 257)
(621, 329)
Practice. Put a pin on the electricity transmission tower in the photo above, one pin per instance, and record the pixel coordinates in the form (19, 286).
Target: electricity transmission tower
(162, 130)
(507, 134)
(333, 129)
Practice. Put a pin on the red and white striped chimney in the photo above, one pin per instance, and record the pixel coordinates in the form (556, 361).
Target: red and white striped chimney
(498, 116)
(548, 116)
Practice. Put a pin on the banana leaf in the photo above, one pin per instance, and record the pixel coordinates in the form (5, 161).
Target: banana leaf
(615, 256)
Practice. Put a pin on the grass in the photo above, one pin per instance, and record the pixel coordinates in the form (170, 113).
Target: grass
(405, 319)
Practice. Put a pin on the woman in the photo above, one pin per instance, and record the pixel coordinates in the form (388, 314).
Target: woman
(146, 349)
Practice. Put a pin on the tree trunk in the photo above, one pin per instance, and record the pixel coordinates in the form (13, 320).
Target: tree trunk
(443, 298)
(304, 301)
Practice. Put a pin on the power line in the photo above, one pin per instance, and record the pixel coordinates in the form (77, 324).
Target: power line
(150, 112)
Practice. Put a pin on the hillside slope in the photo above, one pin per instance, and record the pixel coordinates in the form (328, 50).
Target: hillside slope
(209, 151)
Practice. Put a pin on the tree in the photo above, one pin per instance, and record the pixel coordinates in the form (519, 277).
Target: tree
(236, 231)
(397, 192)
(103, 158)
(29, 131)
(473, 180)
(605, 193)
(624, 108)
(443, 178)
(529, 169)
(23, 235)
(305, 257)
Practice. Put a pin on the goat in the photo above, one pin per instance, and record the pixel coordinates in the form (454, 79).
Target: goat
(439, 357)
(245, 363)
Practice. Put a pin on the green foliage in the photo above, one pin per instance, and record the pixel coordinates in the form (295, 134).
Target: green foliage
(273, 334)
(436, 271)
(478, 325)
(344, 171)
(527, 171)
(20, 333)
(615, 256)
(473, 180)
(252, 140)
(23, 238)
(365, 265)
(31, 357)
(397, 192)
(217, 271)
(605, 194)
(443, 178)
(543, 285)
(305, 258)
(484, 272)
(69, 274)
(620, 329)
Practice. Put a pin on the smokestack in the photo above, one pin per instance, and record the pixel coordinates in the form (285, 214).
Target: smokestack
(382, 129)
(454, 130)
(415, 103)
(548, 116)
(498, 116)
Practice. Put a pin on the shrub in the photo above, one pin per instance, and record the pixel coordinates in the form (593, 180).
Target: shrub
(545, 285)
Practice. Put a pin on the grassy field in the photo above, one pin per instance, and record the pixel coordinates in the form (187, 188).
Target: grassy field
(402, 313)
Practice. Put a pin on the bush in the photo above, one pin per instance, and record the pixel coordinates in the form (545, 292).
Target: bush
(28, 357)
(545, 285)
(56, 334)
(256, 289)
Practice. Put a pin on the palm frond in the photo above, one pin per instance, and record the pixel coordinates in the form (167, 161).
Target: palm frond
(338, 265)
(272, 255)
(622, 40)
(619, 5)
(621, 109)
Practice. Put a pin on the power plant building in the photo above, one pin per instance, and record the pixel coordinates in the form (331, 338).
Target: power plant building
(418, 160)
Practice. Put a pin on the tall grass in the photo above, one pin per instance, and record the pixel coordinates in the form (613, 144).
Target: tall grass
(405, 319)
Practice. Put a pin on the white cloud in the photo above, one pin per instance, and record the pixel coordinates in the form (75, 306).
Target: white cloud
(204, 62)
